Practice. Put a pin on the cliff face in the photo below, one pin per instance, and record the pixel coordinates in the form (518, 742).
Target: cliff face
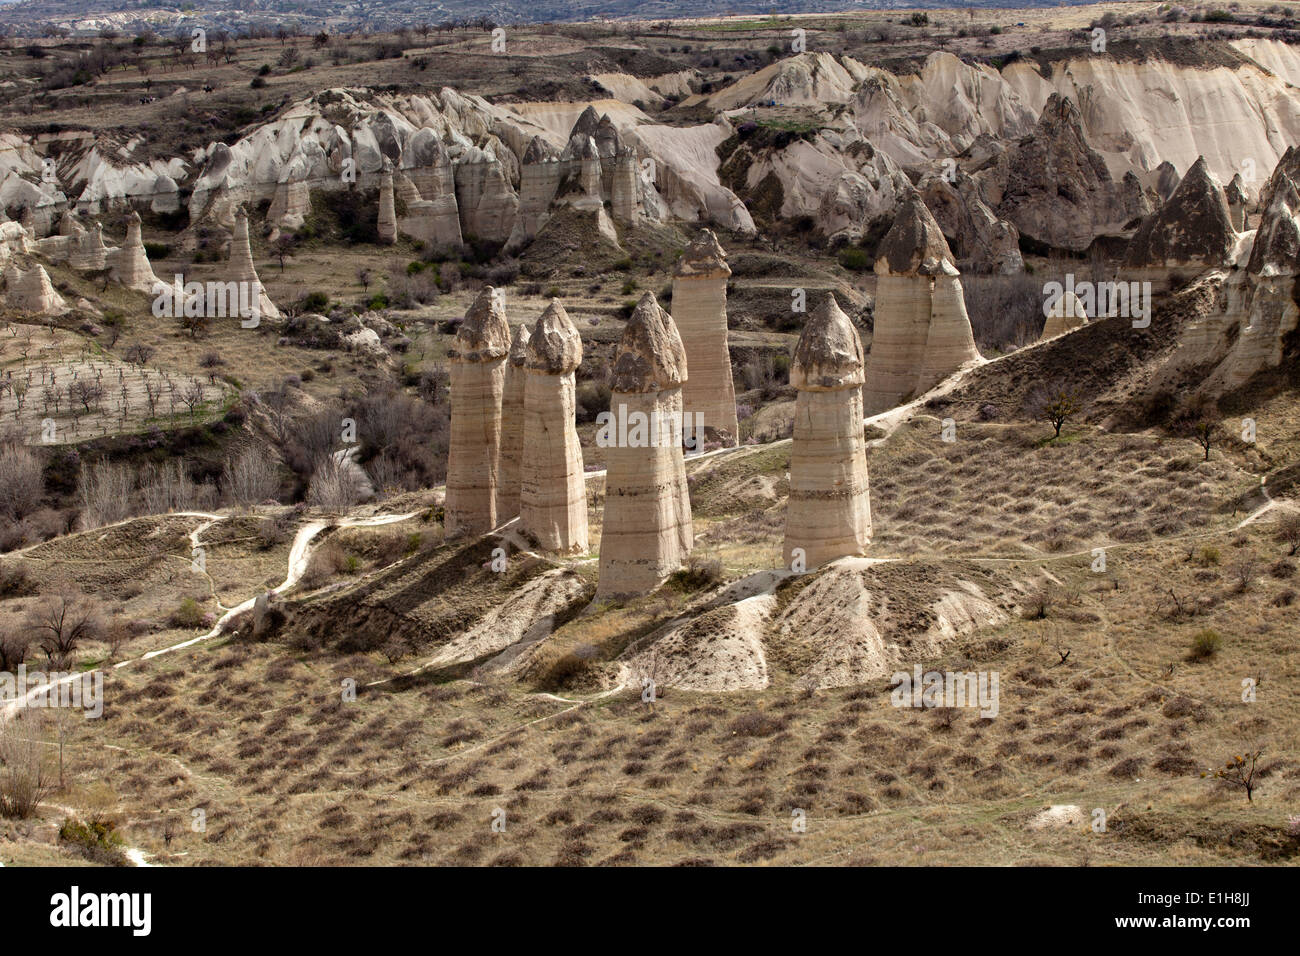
(1193, 228)
(1253, 316)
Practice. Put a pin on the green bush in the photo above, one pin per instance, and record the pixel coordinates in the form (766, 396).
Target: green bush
(98, 840)
(1206, 644)
(1207, 556)
(189, 615)
(854, 259)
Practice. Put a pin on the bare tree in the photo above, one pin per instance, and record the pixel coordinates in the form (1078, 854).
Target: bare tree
(61, 622)
(251, 476)
(13, 650)
(86, 393)
(1054, 405)
(22, 482)
(105, 493)
(1242, 771)
(337, 482)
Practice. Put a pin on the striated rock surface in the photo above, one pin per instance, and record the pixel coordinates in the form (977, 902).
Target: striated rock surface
(553, 502)
(386, 226)
(922, 332)
(1053, 186)
(828, 515)
(1249, 316)
(87, 252)
(512, 427)
(646, 534)
(700, 313)
(478, 361)
(973, 232)
(1237, 202)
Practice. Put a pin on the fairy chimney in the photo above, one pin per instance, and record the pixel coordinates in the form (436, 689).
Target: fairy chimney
(240, 267)
(922, 332)
(553, 500)
(130, 265)
(646, 534)
(387, 224)
(478, 359)
(828, 515)
(512, 427)
(1064, 315)
(700, 312)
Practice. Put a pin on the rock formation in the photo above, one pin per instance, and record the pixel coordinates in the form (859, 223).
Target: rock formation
(553, 502)
(129, 263)
(386, 227)
(1064, 316)
(973, 232)
(240, 267)
(87, 252)
(700, 313)
(1166, 180)
(922, 332)
(512, 427)
(646, 533)
(1249, 316)
(1237, 202)
(477, 359)
(1193, 229)
(30, 290)
(1054, 187)
(828, 515)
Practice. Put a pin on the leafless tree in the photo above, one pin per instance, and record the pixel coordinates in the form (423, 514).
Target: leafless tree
(61, 622)
(251, 476)
(22, 482)
(336, 483)
(105, 493)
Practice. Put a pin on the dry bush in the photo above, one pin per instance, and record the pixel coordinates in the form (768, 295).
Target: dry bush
(337, 483)
(1006, 312)
(168, 487)
(104, 490)
(26, 774)
(21, 482)
(251, 476)
(327, 562)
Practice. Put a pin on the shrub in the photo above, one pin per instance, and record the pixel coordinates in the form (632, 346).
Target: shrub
(98, 840)
(188, 616)
(1205, 644)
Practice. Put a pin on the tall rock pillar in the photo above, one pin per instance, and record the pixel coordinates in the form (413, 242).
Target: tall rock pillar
(646, 534)
(512, 427)
(478, 375)
(700, 312)
(828, 515)
(553, 501)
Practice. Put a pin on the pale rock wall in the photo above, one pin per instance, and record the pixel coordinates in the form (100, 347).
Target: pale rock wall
(129, 265)
(240, 265)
